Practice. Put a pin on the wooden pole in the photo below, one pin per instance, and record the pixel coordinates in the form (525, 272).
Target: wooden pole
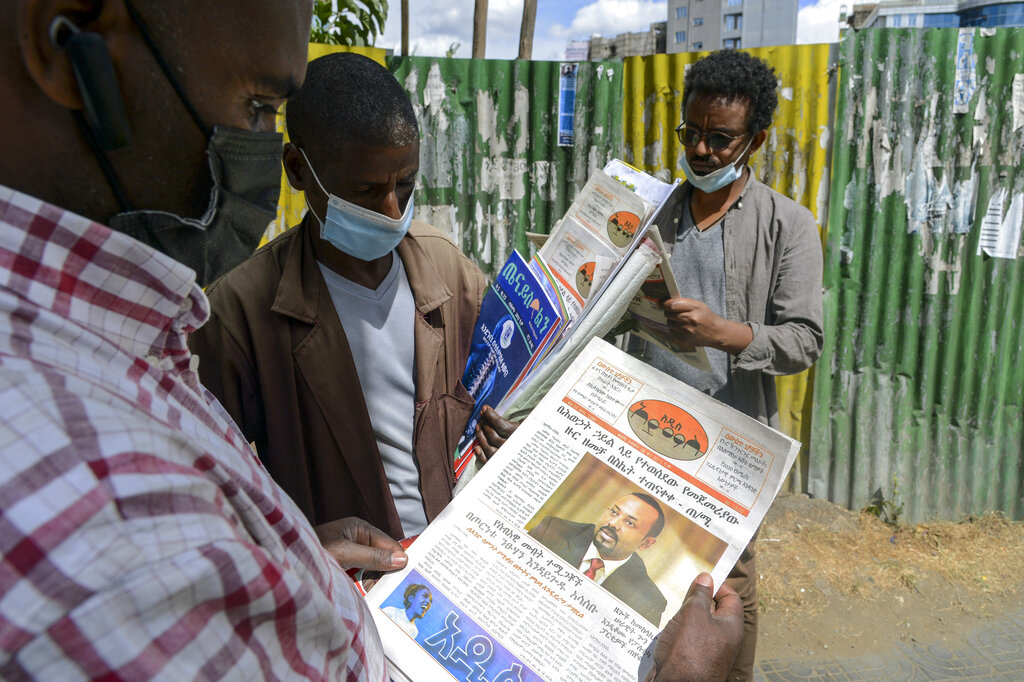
(479, 29)
(405, 28)
(526, 30)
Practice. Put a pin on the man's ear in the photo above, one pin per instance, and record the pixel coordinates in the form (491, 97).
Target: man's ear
(67, 56)
(291, 159)
(756, 143)
(43, 37)
(646, 542)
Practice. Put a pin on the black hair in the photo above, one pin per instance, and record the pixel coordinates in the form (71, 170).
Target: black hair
(350, 98)
(736, 75)
(411, 591)
(659, 523)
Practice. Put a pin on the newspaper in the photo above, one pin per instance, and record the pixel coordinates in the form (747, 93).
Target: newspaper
(645, 310)
(500, 587)
(594, 237)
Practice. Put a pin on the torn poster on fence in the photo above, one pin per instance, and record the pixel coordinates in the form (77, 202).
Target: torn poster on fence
(966, 63)
(567, 104)
(1000, 232)
(1018, 101)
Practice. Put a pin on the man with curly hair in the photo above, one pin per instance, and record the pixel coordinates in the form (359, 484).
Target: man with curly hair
(748, 261)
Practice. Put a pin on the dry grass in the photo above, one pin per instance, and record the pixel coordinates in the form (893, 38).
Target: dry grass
(803, 561)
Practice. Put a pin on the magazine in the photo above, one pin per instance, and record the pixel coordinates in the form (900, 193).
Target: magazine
(517, 323)
(564, 557)
(603, 225)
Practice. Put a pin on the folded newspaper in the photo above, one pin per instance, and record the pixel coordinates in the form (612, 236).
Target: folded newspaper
(564, 557)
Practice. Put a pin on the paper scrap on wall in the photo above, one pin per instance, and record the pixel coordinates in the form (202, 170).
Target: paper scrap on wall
(1000, 232)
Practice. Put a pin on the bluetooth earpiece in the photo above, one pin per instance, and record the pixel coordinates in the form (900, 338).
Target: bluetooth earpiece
(104, 109)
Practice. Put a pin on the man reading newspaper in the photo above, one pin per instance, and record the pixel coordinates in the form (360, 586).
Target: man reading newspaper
(747, 260)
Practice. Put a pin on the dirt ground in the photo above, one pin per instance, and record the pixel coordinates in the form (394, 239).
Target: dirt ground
(836, 584)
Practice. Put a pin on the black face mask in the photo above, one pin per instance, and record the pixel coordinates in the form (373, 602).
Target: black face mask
(246, 171)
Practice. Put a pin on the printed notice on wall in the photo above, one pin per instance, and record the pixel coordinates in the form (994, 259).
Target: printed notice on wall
(567, 104)
(1017, 93)
(576, 543)
(1000, 232)
(964, 84)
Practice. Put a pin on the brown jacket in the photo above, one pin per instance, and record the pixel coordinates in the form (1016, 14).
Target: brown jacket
(275, 354)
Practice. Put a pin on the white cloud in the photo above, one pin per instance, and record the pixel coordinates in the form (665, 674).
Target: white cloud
(611, 17)
(819, 22)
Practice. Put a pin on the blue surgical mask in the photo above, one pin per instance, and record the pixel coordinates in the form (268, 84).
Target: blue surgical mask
(357, 231)
(717, 179)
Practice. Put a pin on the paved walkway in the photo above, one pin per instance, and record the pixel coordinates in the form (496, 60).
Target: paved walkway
(994, 651)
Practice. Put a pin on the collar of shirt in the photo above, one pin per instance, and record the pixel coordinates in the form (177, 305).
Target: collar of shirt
(604, 572)
(105, 281)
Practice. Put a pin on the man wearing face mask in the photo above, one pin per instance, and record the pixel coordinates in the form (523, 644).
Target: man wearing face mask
(340, 346)
(142, 538)
(748, 262)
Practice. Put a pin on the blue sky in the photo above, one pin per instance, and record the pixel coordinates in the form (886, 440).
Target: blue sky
(437, 25)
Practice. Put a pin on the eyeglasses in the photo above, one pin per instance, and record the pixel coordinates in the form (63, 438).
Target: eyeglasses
(690, 136)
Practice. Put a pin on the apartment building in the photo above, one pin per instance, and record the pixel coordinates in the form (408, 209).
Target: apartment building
(695, 25)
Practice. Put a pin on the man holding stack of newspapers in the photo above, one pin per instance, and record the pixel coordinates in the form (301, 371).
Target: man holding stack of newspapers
(747, 261)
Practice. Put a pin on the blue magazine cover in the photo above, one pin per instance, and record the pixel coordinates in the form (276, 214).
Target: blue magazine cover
(517, 319)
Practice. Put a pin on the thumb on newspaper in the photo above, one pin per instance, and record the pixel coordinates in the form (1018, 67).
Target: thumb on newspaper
(701, 641)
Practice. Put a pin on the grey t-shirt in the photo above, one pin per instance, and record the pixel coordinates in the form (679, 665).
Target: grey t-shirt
(378, 324)
(698, 262)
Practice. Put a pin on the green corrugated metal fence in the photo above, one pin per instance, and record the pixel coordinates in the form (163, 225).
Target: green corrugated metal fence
(919, 394)
(490, 166)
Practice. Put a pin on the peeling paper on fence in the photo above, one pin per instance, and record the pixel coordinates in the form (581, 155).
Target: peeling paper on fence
(487, 124)
(434, 91)
(888, 166)
(964, 196)
(1000, 232)
(966, 63)
(981, 122)
(505, 175)
(1018, 101)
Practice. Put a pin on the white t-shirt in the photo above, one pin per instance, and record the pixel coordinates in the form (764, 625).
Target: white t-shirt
(378, 324)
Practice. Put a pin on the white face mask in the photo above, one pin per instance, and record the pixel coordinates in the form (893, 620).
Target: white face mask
(357, 231)
(716, 179)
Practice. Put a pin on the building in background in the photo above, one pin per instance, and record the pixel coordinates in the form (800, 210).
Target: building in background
(936, 14)
(577, 51)
(695, 25)
(639, 44)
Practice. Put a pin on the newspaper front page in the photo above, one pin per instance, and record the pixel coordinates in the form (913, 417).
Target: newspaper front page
(564, 557)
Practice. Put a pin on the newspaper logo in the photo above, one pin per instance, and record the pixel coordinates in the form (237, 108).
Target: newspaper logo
(507, 330)
(622, 226)
(585, 279)
(668, 429)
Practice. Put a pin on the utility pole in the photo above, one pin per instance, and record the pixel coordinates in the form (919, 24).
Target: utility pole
(526, 30)
(479, 29)
(405, 28)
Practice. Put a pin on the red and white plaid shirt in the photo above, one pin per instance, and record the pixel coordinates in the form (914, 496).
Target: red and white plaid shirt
(140, 536)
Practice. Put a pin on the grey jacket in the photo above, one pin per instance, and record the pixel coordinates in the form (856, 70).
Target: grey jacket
(773, 271)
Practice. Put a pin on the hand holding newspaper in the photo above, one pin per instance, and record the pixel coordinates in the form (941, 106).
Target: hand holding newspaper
(565, 555)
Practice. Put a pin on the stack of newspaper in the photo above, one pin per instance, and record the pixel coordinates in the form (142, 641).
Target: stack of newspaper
(601, 263)
(566, 555)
